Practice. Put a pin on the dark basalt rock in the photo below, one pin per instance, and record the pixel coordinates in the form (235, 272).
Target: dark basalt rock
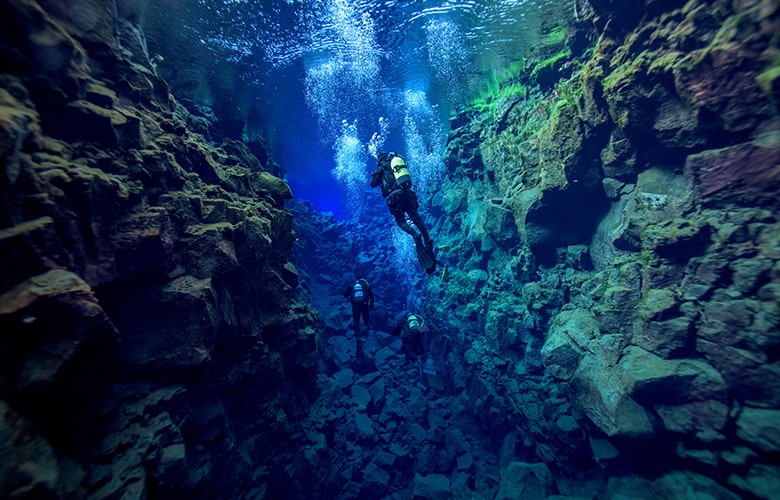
(744, 174)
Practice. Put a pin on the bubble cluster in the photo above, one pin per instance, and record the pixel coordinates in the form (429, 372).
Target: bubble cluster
(343, 85)
(404, 257)
(357, 46)
(377, 140)
(424, 140)
(449, 58)
(350, 160)
(343, 65)
(306, 65)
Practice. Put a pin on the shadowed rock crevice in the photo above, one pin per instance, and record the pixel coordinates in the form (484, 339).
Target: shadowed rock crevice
(562, 218)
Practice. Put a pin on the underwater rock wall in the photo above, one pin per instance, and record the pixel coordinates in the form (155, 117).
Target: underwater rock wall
(150, 341)
(611, 253)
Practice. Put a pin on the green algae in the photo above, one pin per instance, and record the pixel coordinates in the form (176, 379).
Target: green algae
(510, 83)
(550, 62)
(555, 35)
(767, 77)
(666, 61)
(625, 73)
(726, 33)
(498, 86)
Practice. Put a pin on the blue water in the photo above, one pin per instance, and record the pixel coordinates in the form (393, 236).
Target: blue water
(337, 80)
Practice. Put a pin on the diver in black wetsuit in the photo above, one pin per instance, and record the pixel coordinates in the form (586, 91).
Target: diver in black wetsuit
(361, 296)
(416, 343)
(393, 176)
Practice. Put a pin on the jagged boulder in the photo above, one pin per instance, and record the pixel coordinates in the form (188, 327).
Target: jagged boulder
(745, 174)
(500, 222)
(596, 389)
(567, 341)
(522, 480)
(263, 182)
(430, 487)
(60, 348)
(757, 426)
(689, 394)
(673, 484)
(28, 466)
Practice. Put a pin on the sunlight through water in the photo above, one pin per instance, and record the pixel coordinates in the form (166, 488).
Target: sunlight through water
(408, 63)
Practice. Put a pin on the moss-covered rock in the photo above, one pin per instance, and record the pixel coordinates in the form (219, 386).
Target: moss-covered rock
(658, 153)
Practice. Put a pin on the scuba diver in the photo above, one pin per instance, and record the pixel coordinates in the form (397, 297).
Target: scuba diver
(362, 298)
(392, 175)
(414, 342)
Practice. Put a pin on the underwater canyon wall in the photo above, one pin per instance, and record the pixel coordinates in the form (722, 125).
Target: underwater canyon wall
(150, 341)
(619, 221)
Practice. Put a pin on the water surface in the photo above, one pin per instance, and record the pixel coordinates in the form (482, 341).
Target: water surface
(332, 81)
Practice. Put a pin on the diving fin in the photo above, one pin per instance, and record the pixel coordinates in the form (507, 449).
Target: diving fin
(425, 256)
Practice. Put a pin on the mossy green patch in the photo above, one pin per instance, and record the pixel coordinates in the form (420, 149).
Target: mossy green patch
(498, 86)
(550, 62)
(555, 35)
(727, 32)
(626, 72)
(766, 79)
(666, 61)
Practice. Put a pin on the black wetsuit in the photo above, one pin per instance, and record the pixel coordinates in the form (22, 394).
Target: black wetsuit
(413, 342)
(360, 308)
(401, 200)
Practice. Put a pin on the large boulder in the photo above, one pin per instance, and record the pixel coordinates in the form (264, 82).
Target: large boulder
(758, 427)
(745, 174)
(689, 394)
(596, 389)
(430, 487)
(28, 466)
(522, 480)
(570, 333)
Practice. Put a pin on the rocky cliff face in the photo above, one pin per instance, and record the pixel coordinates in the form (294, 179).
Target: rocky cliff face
(151, 343)
(619, 227)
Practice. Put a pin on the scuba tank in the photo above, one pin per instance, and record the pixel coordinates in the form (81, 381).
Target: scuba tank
(358, 294)
(430, 368)
(400, 171)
